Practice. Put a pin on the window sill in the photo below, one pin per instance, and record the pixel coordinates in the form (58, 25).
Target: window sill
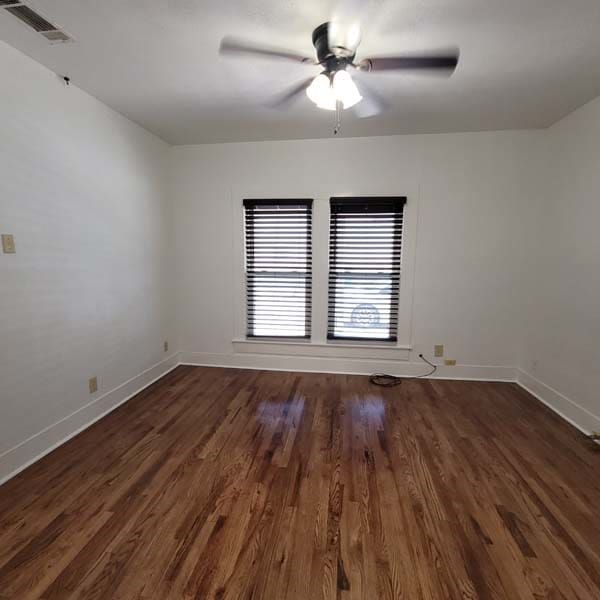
(332, 349)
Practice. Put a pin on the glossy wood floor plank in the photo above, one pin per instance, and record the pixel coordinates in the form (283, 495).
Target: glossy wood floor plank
(231, 484)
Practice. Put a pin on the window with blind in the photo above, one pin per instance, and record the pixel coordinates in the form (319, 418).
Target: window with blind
(365, 249)
(278, 268)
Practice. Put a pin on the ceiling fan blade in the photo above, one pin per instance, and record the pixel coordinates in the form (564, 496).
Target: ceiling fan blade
(234, 46)
(371, 104)
(285, 100)
(438, 63)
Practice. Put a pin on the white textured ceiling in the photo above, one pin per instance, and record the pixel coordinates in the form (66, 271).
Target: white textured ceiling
(524, 63)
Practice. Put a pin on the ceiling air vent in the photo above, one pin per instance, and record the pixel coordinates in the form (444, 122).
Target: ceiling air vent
(35, 21)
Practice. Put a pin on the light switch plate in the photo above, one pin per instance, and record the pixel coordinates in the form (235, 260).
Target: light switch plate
(93, 383)
(438, 350)
(8, 243)
(450, 362)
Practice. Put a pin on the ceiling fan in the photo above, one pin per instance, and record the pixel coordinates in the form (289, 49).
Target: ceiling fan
(334, 89)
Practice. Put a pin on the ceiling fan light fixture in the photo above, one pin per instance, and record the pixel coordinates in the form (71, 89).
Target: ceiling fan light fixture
(345, 89)
(321, 92)
(328, 104)
(344, 37)
(326, 90)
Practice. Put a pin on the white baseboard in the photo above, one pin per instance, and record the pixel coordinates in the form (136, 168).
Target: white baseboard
(32, 449)
(566, 408)
(348, 366)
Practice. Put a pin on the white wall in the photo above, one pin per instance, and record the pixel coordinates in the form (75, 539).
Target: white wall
(506, 271)
(87, 293)
(471, 191)
(561, 346)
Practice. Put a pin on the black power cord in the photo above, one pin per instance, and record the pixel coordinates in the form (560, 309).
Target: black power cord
(385, 380)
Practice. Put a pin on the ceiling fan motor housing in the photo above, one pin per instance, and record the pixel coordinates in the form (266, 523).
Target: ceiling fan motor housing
(334, 59)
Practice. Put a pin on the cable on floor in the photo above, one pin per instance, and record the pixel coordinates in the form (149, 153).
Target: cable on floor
(385, 380)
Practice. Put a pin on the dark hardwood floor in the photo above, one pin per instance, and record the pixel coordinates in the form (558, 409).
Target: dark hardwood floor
(219, 483)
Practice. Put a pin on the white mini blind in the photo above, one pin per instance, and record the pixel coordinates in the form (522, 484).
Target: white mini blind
(278, 268)
(365, 251)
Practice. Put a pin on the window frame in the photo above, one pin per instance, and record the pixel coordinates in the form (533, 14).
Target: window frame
(396, 271)
(307, 274)
(302, 353)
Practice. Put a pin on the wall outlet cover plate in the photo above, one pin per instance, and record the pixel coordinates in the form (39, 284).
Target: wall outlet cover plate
(8, 244)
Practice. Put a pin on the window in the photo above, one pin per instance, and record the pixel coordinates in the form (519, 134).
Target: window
(278, 268)
(365, 248)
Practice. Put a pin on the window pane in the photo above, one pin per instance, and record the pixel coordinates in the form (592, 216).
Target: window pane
(278, 267)
(364, 268)
(363, 308)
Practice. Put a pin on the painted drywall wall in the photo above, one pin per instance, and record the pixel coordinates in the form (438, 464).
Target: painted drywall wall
(560, 351)
(87, 292)
(505, 259)
(470, 190)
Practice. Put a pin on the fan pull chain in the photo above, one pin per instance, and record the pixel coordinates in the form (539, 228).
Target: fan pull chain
(338, 117)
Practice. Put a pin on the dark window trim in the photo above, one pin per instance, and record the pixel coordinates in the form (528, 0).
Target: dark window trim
(250, 203)
(254, 202)
(368, 205)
